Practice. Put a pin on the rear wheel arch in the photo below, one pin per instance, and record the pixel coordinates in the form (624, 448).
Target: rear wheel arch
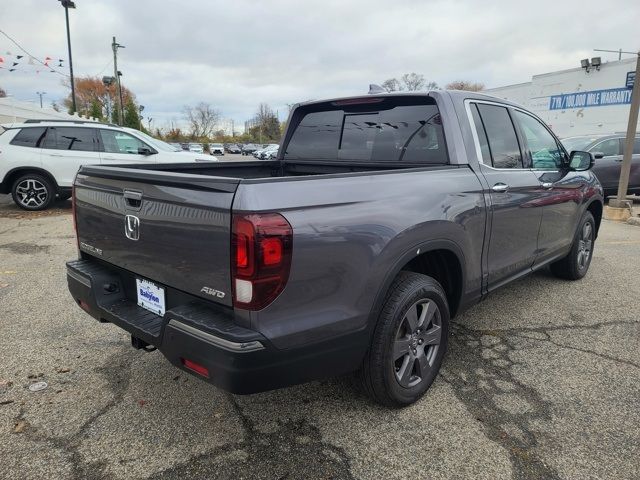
(441, 259)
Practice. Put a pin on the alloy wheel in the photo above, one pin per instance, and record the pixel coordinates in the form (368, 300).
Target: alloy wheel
(585, 245)
(416, 343)
(32, 193)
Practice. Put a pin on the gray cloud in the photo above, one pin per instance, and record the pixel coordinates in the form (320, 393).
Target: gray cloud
(235, 54)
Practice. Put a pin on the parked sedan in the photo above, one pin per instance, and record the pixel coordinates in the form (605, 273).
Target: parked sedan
(196, 148)
(608, 151)
(216, 149)
(269, 153)
(233, 148)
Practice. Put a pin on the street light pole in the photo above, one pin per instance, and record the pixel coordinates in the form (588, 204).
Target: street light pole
(625, 170)
(67, 4)
(40, 94)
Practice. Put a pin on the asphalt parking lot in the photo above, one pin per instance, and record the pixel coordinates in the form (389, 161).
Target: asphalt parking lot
(542, 380)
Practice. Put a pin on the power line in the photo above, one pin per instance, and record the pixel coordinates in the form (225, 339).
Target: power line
(32, 56)
(105, 67)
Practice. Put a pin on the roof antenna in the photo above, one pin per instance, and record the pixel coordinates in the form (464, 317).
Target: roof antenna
(375, 89)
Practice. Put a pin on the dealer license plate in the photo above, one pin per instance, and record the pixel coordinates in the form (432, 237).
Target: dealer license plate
(150, 296)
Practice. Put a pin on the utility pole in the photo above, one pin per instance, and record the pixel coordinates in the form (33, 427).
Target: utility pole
(115, 46)
(40, 94)
(623, 185)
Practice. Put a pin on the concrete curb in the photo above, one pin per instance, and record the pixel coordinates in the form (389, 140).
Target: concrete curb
(634, 221)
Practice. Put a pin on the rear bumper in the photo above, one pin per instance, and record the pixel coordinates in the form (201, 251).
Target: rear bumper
(237, 359)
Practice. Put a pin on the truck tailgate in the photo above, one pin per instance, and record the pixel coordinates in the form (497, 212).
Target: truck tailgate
(172, 229)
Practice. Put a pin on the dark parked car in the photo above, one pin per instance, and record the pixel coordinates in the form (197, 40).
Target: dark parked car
(233, 149)
(382, 218)
(608, 151)
(249, 148)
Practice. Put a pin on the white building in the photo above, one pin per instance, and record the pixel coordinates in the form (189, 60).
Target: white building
(577, 101)
(16, 111)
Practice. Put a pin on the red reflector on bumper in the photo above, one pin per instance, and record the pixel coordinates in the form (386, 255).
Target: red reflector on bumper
(195, 367)
(83, 305)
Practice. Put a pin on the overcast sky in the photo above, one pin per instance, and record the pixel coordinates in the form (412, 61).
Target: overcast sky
(235, 54)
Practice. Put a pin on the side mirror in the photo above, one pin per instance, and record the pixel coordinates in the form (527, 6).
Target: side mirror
(598, 155)
(145, 151)
(580, 161)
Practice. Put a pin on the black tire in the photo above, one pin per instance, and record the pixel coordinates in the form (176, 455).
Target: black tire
(33, 191)
(398, 382)
(576, 264)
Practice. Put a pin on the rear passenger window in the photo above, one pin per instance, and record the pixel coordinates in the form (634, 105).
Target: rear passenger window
(501, 135)
(70, 138)
(29, 137)
(402, 133)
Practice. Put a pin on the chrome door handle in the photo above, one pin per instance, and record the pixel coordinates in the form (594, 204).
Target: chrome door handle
(55, 154)
(547, 185)
(108, 158)
(500, 187)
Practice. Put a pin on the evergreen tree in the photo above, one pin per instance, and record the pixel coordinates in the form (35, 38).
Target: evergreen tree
(131, 115)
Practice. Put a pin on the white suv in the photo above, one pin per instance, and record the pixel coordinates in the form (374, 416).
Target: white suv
(38, 159)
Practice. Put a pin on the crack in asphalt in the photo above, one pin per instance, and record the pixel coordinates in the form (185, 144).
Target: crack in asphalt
(519, 331)
(508, 410)
(117, 371)
(479, 371)
(294, 450)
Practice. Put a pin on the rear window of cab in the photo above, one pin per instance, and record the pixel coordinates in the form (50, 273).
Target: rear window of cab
(387, 130)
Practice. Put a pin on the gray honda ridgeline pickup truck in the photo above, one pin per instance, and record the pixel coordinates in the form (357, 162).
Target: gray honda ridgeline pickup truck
(382, 217)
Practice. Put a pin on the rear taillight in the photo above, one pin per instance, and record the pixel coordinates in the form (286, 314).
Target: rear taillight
(261, 258)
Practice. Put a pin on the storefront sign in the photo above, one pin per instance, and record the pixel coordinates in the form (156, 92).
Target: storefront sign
(593, 98)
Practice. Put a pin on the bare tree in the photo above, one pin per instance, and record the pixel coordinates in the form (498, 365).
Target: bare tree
(413, 82)
(465, 85)
(202, 119)
(391, 85)
(266, 125)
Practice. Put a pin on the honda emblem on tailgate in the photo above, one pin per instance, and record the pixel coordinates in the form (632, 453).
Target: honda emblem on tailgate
(132, 227)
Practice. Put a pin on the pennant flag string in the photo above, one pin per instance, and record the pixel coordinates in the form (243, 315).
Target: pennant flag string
(31, 57)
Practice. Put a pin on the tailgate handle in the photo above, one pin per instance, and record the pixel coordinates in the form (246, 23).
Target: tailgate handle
(133, 199)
